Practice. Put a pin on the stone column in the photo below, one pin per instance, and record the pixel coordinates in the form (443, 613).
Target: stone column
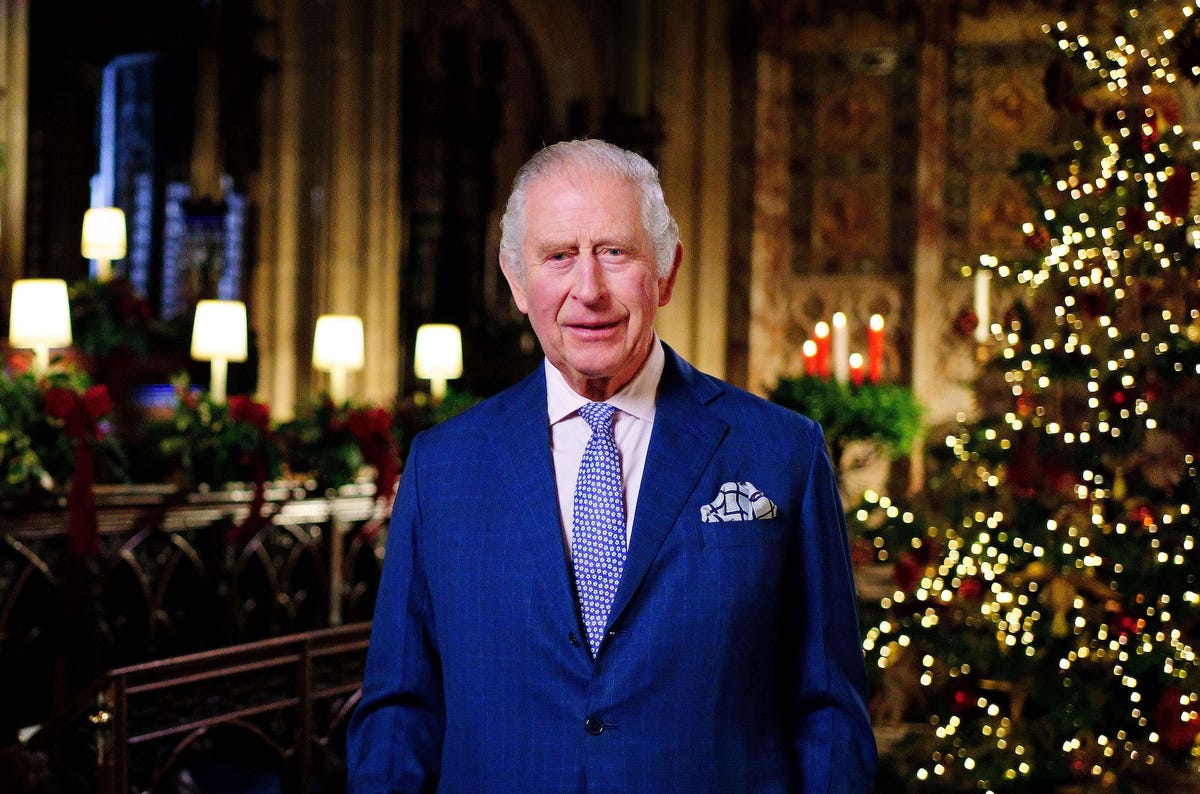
(937, 17)
(771, 238)
(282, 205)
(695, 171)
(14, 103)
(381, 285)
(341, 266)
(329, 195)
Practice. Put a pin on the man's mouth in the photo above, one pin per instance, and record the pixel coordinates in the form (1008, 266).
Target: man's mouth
(592, 328)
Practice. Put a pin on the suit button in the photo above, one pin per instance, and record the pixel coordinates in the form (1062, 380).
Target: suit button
(574, 640)
(593, 726)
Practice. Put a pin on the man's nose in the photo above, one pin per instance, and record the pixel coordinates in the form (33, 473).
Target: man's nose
(589, 284)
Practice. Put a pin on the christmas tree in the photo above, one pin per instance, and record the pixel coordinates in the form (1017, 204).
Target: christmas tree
(1045, 627)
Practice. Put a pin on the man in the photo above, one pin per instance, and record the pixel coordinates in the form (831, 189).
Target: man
(620, 575)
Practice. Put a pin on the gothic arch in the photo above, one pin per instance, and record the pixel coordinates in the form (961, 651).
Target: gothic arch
(486, 82)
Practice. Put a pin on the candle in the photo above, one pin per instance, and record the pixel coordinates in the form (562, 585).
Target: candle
(840, 348)
(821, 331)
(982, 305)
(856, 368)
(875, 348)
(809, 349)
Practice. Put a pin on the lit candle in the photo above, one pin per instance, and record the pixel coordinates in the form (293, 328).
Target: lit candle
(809, 349)
(983, 279)
(840, 348)
(821, 331)
(875, 348)
(856, 368)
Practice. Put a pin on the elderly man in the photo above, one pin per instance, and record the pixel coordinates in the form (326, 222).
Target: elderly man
(621, 574)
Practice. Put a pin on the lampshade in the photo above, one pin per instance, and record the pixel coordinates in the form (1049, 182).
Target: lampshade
(103, 233)
(439, 352)
(338, 342)
(219, 331)
(41, 313)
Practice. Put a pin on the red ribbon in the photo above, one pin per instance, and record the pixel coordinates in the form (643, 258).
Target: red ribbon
(83, 530)
(79, 415)
(257, 415)
(373, 429)
(254, 520)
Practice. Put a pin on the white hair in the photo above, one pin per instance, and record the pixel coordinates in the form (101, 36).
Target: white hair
(598, 157)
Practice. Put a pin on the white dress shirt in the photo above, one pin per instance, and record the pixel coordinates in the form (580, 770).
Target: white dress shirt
(632, 423)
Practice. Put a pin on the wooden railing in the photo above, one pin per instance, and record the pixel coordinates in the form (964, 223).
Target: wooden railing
(272, 711)
(168, 583)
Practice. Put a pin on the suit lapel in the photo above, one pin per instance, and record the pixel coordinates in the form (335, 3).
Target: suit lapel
(530, 480)
(685, 436)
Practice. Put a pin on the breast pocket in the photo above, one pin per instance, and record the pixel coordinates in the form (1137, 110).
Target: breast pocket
(722, 534)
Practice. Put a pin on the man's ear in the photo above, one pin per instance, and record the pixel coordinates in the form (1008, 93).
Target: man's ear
(667, 285)
(516, 285)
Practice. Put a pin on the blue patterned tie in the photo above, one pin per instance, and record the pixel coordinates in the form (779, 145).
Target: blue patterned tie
(598, 538)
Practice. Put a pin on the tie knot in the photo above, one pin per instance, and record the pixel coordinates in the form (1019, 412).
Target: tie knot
(598, 415)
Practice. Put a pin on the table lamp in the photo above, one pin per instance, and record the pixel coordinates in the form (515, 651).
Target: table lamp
(337, 349)
(103, 238)
(219, 336)
(438, 356)
(40, 318)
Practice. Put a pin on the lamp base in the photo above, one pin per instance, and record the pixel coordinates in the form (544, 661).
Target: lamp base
(216, 384)
(437, 390)
(41, 359)
(338, 385)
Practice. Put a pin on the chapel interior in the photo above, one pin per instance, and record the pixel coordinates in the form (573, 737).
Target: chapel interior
(352, 157)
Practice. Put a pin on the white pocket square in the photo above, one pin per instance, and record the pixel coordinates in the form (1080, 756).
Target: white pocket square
(738, 501)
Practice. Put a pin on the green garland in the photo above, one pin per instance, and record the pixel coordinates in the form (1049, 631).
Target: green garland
(887, 414)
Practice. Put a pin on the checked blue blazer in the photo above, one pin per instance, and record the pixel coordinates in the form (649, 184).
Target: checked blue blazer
(732, 662)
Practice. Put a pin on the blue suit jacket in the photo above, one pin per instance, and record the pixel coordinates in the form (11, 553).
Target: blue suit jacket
(733, 659)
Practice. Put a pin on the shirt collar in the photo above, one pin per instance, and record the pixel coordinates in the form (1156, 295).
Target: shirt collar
(636, 398)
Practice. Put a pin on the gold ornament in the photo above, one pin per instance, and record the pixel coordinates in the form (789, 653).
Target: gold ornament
(1059, 595)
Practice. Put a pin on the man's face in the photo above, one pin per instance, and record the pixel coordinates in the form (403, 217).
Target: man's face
(590, 286)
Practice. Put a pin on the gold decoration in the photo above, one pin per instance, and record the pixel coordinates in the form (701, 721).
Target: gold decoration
(1060, 595)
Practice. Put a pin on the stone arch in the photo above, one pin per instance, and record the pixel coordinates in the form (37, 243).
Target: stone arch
(486, 82)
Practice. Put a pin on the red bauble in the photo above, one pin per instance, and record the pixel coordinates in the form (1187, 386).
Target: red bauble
(1125, 625)
(1176, 724)
(1039, 240)
(1142, 515)
(966, 321)
(971, 589)
(963, 699)
(1176, 194)
(907, 571)
(1135, 219)
(1116, 396)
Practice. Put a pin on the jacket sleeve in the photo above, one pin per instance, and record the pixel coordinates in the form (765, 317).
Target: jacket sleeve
(832, 733)
(394, 740)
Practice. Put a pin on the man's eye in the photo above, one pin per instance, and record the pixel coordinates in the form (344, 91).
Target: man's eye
(614, 251)
(559, 257)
